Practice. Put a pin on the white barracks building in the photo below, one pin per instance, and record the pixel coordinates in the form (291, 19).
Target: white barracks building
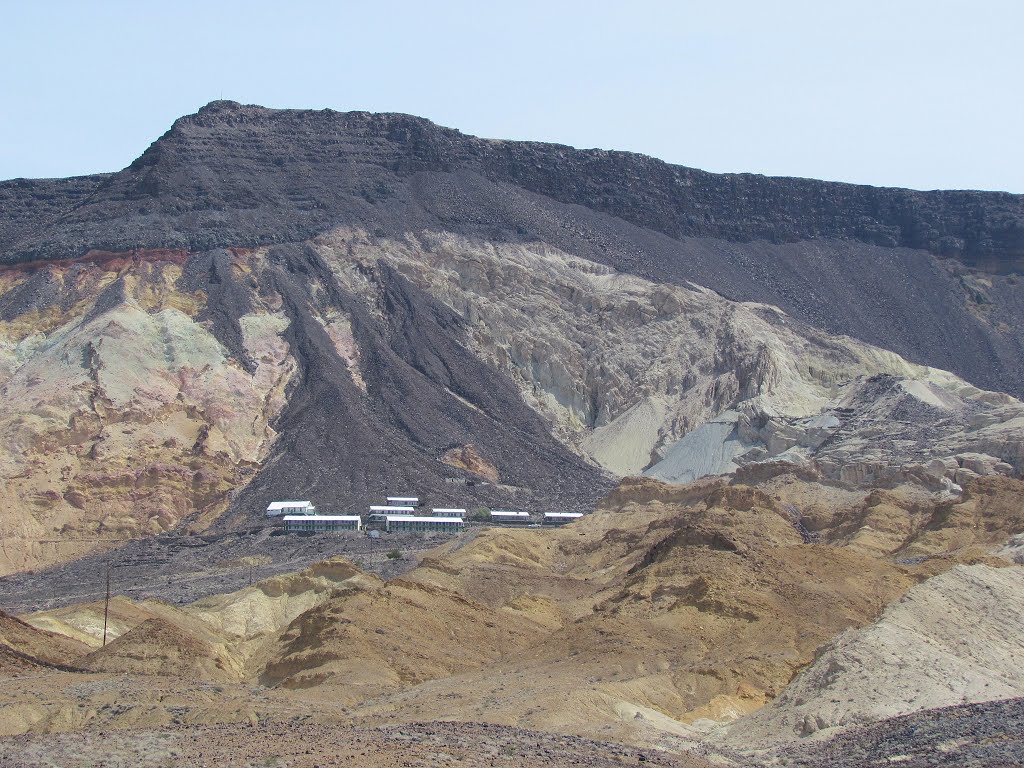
(277, 508)
(302, 516)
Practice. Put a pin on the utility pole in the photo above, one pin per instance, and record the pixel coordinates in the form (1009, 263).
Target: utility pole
(106, 607)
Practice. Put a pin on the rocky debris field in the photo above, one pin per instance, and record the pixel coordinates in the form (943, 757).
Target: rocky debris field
(298, 744)
(987, 735)
(181, 569)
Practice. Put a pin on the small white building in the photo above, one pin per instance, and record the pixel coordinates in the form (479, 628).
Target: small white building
(402, 501)
(378, 517)
(397, 510)
(277, 508)
(505, 517)
(561, 518)
(449, 511)
(323, 523)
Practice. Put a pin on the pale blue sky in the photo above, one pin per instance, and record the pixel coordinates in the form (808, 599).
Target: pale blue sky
(924, 94)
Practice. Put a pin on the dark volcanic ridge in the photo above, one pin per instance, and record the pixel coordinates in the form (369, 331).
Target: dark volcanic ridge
(893, 267)
(287, 174)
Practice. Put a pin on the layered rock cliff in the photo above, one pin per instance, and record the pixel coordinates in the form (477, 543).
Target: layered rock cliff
(206, 163)
(337, 306)
(155, 390)
(930, 275)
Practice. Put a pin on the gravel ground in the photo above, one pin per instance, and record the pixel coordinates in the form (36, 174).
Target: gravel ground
(181, 569)
(307, 745)
(987, 735)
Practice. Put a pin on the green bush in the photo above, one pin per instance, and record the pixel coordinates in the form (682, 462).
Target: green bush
(394, 554)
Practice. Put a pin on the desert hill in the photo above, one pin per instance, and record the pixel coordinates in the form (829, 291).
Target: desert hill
(671, 608)
(273, 304)
(954, 639)
(25, 649)
(696, 603)
(700, 619)
(197, 387)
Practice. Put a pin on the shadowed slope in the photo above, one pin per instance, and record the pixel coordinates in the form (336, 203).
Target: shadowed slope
(25, 649)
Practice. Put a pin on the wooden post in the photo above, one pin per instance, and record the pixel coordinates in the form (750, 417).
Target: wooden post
(106, 607)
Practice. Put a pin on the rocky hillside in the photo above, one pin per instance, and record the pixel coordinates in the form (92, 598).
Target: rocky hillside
(667, 619)
(926, 274)
(181, 378)
(199, 386)
(953, 640)
(332, 306)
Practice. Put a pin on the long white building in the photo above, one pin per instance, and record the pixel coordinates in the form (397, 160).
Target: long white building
(400, 501)
(276, 508)
(323, 523)
(389, 510)
(423, 524)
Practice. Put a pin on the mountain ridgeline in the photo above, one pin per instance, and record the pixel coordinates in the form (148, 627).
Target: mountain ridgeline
(313, 167)
(313, 304)
(788, 407)
(930, 275)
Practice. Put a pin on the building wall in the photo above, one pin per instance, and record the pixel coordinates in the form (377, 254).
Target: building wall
(333, 525)
(419, 526)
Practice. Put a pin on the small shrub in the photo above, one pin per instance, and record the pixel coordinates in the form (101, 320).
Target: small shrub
(394, 554)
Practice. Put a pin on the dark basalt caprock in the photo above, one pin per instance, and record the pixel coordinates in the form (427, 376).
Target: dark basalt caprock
(893, 267)
(281, 175)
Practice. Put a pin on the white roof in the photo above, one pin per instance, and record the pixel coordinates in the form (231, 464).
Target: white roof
(321, 517)
(412, 519)
(563, 514)
(400, 499)
(275, 505)
(393, 510)
(451, 510)
(503, 513)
